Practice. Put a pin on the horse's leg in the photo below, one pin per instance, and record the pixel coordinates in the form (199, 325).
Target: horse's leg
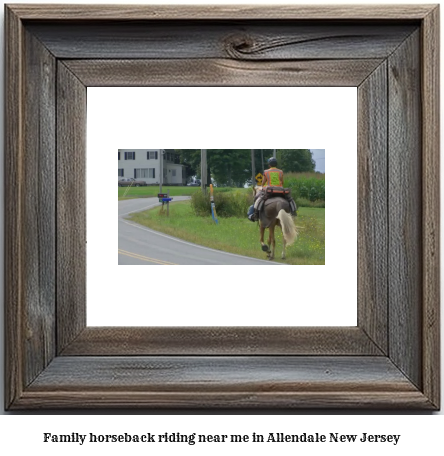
(273, 240)
(264, 246)
(283, 246)
(271, 243)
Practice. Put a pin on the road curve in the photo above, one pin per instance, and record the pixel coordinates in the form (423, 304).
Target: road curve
(142, 245)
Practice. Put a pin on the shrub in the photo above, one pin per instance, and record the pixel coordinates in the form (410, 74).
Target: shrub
(304, 202)
(228, 203)
(200, 204)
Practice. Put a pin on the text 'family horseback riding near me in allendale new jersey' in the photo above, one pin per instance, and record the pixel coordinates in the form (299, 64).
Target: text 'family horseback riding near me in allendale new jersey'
(196, 438)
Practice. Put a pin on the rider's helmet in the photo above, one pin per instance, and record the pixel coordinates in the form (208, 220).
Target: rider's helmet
(272, 162)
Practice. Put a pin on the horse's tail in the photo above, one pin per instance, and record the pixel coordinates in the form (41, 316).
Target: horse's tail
(288, 227)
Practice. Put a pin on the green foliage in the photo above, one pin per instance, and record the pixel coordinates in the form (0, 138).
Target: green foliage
(228, 203)
(307, 189)
(230, 167)
(306, 186)
(191, 159)
(296, 160)
(233, 167)
(304, 202)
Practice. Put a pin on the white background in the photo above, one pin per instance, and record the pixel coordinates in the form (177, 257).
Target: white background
(222, 117)
(422, 434)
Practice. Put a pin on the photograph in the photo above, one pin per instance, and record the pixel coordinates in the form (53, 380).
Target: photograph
(196, 208)
(221, 206)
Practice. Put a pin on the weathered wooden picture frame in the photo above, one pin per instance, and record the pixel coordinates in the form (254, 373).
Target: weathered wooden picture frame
(389, 360)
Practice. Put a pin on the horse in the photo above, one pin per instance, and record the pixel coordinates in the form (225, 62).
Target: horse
(276, 212)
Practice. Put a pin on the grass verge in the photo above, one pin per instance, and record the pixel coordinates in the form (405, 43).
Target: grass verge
(151, 191)
(239, 235)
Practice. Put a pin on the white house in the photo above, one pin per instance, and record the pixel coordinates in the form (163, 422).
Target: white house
(145, 164)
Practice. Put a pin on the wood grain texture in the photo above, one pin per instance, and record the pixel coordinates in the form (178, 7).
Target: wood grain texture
(209, 373)
(13, 210)
(246, 401)
(405, 209)
(408, 377)
(233, 382)
(372, 207)
(221, 72)
(126, 341)
(220, 12)
(430, 93)
(38, 220)
(71, 206)
(236, 40)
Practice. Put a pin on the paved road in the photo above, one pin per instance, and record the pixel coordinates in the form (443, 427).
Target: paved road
(141, 245)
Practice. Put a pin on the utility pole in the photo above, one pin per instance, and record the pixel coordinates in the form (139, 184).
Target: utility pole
(203, 169)
(274, 153)
(263, 164)
(253, 168)
(162, 197)
(161, 152)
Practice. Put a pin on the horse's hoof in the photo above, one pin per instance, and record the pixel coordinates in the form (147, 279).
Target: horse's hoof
(265, 248)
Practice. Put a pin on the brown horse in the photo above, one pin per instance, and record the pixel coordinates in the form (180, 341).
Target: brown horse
(276, 212)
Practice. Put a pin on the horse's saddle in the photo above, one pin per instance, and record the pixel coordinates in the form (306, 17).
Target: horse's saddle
(269, 192)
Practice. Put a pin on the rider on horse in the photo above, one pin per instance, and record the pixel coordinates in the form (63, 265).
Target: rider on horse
(273, 177)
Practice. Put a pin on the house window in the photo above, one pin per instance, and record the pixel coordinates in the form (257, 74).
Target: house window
(119, 155)
(173, 173)
(130, 155)
(120, 172)
(140, 172)
(151, 155)
(152, 173)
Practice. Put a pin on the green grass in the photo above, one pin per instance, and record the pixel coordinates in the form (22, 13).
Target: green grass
(239, 235)
(150, 191)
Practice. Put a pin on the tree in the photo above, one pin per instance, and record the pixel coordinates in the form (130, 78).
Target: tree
(296, 160)
(191, 159)
(230, 167)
